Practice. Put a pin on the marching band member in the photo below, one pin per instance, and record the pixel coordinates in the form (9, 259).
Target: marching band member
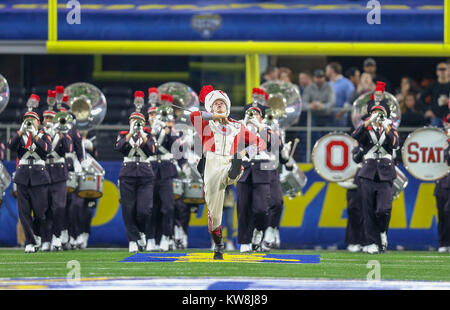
(57, 168)
(165, 171)
(136, 178)
(378, 140)
(253, 188)
(84, 214)
(32, 178)
(276, 203)
(224, 141)
(354, 232)
(442, 194)
(75, 162)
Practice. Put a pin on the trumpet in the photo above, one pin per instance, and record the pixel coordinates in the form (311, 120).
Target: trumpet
(63, 121)
(165, 114)
(28, 124)
(138, 125)
(269, 118)
(250, 116)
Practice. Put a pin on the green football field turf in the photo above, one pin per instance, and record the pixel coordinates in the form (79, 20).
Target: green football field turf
(394, 265)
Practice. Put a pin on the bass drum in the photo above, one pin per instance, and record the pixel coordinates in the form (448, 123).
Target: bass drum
(193, 193)
(423, 154)
(332, 157)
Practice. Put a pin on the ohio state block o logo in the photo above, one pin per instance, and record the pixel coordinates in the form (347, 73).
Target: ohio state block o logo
(332, 158)
(333, 146)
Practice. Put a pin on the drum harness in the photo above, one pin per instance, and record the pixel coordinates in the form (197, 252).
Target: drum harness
(136, 154)
(166, 155)
(31, 157)
(53, 157)
(377, 151)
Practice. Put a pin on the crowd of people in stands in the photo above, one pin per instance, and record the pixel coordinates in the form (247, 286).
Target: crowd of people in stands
(325, 91)
(330, 92)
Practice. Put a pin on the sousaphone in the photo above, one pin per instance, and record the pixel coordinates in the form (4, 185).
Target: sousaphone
(284, 102)
(360, 108)
(88, 105)
(184, 97)
(5, 178)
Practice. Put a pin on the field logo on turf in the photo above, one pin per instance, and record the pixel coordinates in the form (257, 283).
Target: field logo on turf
(74, 15)
(74, 274)
(375, 272)
(374, 15)
(227, 257)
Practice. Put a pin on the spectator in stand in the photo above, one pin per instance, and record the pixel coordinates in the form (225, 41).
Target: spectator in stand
(406, 87)
(343, 89)
(272, 73)
(319, 98)
(435, 97)
(411, 116)
(285, 74)
(304, 79)
(365, 85)
(354, 75)
(370, 66)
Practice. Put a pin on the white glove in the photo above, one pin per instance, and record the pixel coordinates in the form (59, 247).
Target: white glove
(290, 163)
(373, 117)
(23, 128)
(50, 130)
(286, 150)
(142, 132)
(34, 131)
(132, 126)
(156, 128)
(88, 144)
(386, 122)
(85, 164)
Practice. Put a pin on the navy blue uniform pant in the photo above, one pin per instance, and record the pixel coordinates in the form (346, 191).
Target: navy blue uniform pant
(354, 233)
(182, 214)
(72, 224)
(84, 215)
(252, 209)
(443, 207)
(136, 194)
(32, 201)
(57, 196)
(162, 219)
(276, 202)
(377, 199)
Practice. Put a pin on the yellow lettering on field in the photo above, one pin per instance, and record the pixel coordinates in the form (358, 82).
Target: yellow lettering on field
(425, 208)
(398, 215)
(295, 208)
(335, 203)
(107, 205)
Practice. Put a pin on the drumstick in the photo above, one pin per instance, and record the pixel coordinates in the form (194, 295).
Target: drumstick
(296, 141)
